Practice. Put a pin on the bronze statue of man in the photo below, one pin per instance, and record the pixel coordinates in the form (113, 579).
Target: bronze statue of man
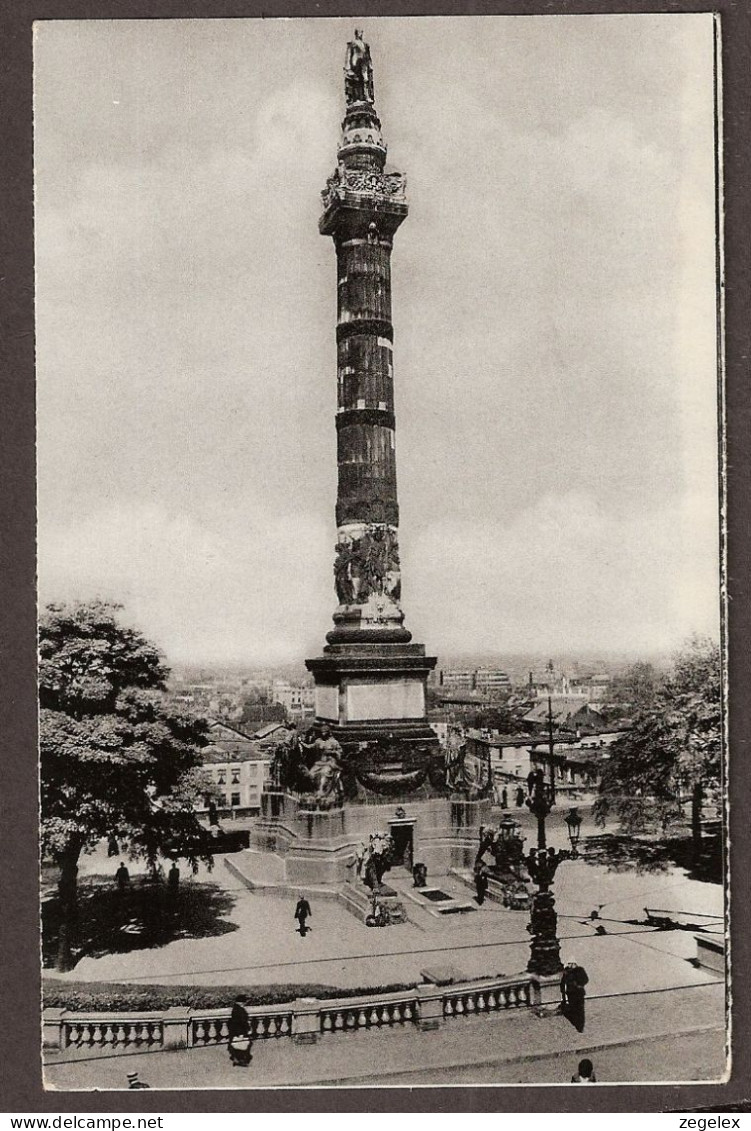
(358, 71)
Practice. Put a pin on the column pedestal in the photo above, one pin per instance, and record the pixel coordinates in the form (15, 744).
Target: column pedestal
(369, 691)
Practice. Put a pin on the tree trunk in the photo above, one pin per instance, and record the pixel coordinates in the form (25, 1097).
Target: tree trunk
(697, 800)
(67, 888)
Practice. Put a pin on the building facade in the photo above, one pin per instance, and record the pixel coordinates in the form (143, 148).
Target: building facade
(238, 767)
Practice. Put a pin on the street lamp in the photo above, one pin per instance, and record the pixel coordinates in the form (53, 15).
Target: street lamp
(509, 829)
(574, 823)
(542, 865)
(539, 802)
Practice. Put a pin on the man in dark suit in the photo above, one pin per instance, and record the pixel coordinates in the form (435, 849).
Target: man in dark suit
(302, 911)
(238, 1028)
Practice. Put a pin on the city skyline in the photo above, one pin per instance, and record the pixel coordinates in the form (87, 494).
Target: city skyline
(554, 312)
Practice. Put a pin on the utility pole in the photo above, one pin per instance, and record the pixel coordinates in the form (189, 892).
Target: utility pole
(550, 749)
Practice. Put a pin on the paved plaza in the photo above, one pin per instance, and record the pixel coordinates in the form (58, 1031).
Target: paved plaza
(652, 1014)
(342, 952)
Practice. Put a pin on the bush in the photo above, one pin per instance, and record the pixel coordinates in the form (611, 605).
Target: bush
(114, 997)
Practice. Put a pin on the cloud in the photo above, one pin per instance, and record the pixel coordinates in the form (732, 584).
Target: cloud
(553, 308)
(234, 588)
(564, 575)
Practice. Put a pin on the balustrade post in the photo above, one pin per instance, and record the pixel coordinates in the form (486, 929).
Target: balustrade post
(546, 989)
(429, 1005)
(306, 1020)
(176, 1028)
(53, 1030)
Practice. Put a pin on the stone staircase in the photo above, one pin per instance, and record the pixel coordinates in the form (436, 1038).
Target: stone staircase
(358, 900)
(495, 892)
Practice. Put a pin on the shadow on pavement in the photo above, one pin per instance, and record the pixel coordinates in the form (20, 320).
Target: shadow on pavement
(620, 853)
(145, 915)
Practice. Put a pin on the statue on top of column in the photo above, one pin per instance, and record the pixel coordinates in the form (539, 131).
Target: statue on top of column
(358, 71)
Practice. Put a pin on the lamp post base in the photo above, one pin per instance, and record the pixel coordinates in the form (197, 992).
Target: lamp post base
(545, 957)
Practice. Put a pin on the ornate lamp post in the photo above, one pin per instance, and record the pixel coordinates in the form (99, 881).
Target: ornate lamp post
(539, 802)
(542, 865)
(509, 829)
(574, 824)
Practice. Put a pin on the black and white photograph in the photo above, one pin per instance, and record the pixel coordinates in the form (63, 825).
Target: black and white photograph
(380, 536)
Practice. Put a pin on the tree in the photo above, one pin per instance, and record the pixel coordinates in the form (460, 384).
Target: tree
(674, 747)
(499, 717)
(632, 690)
(114, 760)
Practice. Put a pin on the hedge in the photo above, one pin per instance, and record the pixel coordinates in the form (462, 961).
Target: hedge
(118, 997)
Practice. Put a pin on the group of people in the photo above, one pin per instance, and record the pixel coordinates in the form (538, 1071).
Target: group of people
(122, 877)
(535, 781)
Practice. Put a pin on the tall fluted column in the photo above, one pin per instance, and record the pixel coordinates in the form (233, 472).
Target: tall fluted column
(363, 207)
(370, 682)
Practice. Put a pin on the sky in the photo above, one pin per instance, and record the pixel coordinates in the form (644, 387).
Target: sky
(553, 307)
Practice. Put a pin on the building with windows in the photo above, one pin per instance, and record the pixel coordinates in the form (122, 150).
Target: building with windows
(569, 712)
(487, 682)
(238, 767)
(577, 761)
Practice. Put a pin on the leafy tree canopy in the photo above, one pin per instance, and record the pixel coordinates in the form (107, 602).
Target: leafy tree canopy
(674, 748)
(114, 759)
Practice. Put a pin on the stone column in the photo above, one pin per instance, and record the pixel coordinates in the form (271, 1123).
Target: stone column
(370, 682)
(363, 207)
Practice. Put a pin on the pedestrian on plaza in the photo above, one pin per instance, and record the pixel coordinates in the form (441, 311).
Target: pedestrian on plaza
(134, 1083)
(173, 879)
(504, 798)
(113, 848)
(302, 911)
(585, 1073)
(574, 980)
(519, 797)
(481, 883)
(122, 876)
(240, 1046)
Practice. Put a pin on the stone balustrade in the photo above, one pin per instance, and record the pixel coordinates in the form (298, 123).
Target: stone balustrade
(304, 1019)
(210, 1027)
(484, 998)
(368, 1012)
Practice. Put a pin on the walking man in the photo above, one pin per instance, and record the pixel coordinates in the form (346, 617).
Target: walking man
(574, 980)
(481, 884)
(240, 1044)
(122, 875)
(302, 911)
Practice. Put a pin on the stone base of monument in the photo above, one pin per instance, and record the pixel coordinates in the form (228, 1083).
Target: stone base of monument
(293, 847)
(369, 690)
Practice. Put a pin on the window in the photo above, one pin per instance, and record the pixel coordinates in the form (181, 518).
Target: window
(235, 800)
(236, 776)
(222, 777)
